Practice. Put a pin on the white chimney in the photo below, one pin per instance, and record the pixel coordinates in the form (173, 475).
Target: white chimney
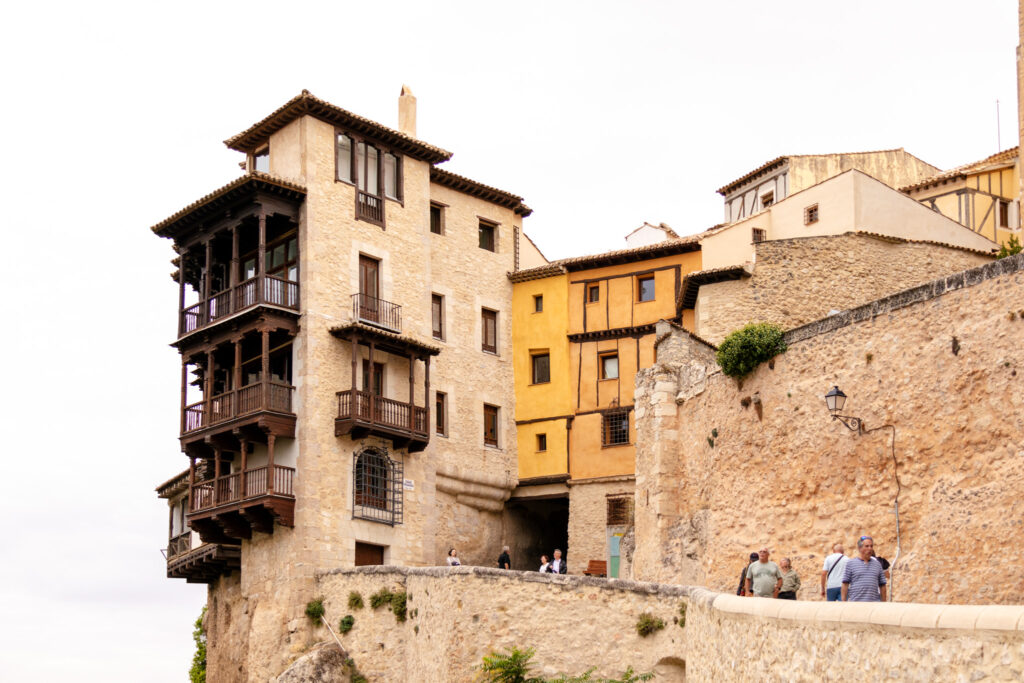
(407, 112)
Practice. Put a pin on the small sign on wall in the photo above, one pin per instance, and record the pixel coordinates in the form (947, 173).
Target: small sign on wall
(409, 485)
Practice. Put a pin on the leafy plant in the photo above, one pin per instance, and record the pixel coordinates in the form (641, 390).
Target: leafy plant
(197, 674)
(682, 615)
(355, 600)
(510, 666)
(746, 348)
(648, 624)
(1009, 247)
(398, 605)
(315, 609)
(380, 598)
(346, 623)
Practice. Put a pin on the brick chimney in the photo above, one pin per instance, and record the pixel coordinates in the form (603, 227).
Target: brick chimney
(407, 112)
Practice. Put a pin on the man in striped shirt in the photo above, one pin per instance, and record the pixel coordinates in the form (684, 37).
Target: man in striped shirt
(863, 577)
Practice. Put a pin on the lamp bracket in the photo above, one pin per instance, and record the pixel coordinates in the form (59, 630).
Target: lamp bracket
(854, 424)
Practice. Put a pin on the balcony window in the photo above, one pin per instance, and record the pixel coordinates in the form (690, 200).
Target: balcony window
(540, 368)
(441, 413)
(489, 330)
(490, 425)
(376, 487)
(377, 174)
(645, 288)
(488, 233)
(437, 315)
(615, 427)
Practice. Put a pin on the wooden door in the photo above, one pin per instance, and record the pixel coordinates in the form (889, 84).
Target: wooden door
(367, 554)
(369, 288)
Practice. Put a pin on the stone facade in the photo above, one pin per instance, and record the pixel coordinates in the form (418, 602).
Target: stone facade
(725, 466)
(456, 616)
(795, 281)
(589, 531)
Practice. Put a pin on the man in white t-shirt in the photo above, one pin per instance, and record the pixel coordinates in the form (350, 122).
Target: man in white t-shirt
(832, 574)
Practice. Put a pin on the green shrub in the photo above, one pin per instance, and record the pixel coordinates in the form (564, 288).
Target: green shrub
(682, 615)
(355, 600)
(398, 605)
(1009, 248)
(315, 609)
(380, 598)
(346, 623)
(511, 666)
(746, 348)
(648, 624)
(197, 674)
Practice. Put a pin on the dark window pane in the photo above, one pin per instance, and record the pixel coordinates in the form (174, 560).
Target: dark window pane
(538, 303)
(615, 428)
(645, 288)
(435, 220)
(440, 413)
(541, 368)
(491, 425)
(487, 236)
(542, 442)
(593, 293)
(489, 325)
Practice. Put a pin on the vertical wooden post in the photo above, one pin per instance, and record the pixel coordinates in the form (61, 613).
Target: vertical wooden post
(206, 281)
(426, 390)
(412, 400)
(265, 368)
(216, 476)
(181, 292)
(270, 463)
(233, 276)
(245, 464)
(184, 390)
(369, 387)
(353, 399)
(236, 375)
(261, 256)
(208, 390)
(191, 482)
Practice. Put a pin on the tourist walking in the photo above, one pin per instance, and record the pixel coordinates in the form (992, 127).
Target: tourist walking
(504, 561)
(790, 580)
(453, 558)
(832, 573)
(742, 590)
(544, 564)
(763, 577)
(557, 565)
(864, 578)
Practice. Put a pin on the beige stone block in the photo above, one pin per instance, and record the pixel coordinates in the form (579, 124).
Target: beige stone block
(960, 616)
(830, 611)
(887, 613)
(732, 603)
(921, 616)
(764, 607)
(1000, 618)
(800, 611)
(856, 612)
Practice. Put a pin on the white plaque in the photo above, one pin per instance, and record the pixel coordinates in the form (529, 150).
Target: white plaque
(410, 485)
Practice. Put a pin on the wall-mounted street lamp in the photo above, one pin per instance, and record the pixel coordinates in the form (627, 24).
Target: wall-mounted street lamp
(835, 400)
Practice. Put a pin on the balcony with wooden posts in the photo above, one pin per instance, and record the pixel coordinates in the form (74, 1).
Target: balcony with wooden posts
(236, 406)
(228, 507)
(364, 410)
(187, 557)
(264, 290)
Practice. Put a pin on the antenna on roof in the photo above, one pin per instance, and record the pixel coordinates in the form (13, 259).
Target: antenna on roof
(999, 141)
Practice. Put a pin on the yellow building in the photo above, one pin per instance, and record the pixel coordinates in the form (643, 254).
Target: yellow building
(984, 195)
(582, 327)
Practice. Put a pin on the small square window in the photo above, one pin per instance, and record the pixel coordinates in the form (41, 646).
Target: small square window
(488, 236)
(619, 510)
(538, 303)
(767, 199)
(645, 288)
(593, 293)
(541, 368)
(615, 428)
(441, 413)
(609, 366)
(758, 235)
(542, 442)
(490, 425)
(437, 219)
(811, 214)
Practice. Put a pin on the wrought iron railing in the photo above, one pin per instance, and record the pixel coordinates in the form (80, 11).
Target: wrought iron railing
(377, 312)
(377, 487)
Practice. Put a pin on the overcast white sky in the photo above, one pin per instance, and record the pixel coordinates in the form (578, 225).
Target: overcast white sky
(600, 114)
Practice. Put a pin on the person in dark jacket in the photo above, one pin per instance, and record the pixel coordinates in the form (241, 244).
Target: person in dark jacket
(557, 565)
(504, 561)
(742, 590)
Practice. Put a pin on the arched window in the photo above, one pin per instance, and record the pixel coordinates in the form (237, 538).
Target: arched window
(377, 487)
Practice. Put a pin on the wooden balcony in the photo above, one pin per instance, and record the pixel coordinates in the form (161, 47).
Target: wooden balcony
(377, 312)
(234, 408)
(361, 413)
(258, 291)
(370, 208)
(234, 505)
(202, 564)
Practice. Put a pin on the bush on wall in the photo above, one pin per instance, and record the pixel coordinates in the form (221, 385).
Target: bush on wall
(746, 348)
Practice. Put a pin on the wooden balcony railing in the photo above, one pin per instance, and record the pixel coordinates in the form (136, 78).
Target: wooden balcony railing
(271, 396)
(369, 208)
(377, 312)
(364, 407)
(265, 289)
(241, 486)
(181, 543)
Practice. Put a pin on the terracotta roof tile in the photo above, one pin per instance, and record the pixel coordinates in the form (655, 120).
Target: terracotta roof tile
(903, 240)
(173, 486)
(384, 335)
(998, 159)
(477, 189)
(665, 248)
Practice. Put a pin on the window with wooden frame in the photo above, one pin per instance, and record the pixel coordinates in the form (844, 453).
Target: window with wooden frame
(593, 294)
(437, 315)
(758, 235)
(261, 160)
(489, 330)
(488, 233)
(645, 288)
(376, 173)
(538, 303)
(540, 367)
(441, 413)
(609, 365)
(615, 427)
(767, 199)
(373, 384)
(542, 442)
(619, 509)
(1004, 213)
(436, 218)
(811, 214)
(490, 425)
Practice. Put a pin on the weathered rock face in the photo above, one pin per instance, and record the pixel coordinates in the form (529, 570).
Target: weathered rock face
(325, 663)
(717, 477)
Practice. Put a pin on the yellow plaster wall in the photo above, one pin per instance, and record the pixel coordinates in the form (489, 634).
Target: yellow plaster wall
(1003, 183)
(554, 460)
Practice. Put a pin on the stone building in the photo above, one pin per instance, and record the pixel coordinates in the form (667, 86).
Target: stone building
(346, 386)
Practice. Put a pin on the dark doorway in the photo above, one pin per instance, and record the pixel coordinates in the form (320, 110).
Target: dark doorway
(535, 527)
(367, 554)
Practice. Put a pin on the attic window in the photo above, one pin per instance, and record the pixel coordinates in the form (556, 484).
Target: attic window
(811, 214)
(767, 199)
(261, 160)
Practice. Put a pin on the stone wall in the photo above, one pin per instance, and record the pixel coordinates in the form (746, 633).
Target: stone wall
(795, 281)
(456, 616)
(725, 466)
(588, 519)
